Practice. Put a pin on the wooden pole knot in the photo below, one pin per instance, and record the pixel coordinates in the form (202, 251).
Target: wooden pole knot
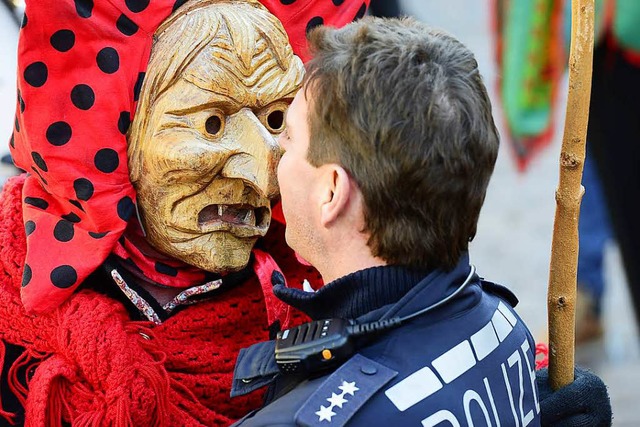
(569, 160)
(562, 302)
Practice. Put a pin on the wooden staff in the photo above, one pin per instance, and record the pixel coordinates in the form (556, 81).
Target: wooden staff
(564, 247)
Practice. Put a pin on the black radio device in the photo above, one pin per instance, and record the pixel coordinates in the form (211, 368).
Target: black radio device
(323, 345)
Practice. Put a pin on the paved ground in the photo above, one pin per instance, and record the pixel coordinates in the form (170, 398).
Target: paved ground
(514, 236)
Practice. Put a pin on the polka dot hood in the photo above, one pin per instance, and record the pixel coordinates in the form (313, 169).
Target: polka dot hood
(80, 69)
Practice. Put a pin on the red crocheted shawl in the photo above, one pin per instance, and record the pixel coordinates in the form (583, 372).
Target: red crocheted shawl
(91, 365)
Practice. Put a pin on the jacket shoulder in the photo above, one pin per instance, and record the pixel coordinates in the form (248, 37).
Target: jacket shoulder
(334, 398)
(344, 392)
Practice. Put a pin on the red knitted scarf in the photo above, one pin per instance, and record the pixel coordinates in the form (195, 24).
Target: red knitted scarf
(92, 366)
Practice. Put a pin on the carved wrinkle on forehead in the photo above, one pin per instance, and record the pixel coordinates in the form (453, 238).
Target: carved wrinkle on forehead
(225, 70)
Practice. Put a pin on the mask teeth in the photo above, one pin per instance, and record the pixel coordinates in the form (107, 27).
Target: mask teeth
(249, 217)
(220, 210)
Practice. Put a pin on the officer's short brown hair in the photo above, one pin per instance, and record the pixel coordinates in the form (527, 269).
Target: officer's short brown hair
(403, 109)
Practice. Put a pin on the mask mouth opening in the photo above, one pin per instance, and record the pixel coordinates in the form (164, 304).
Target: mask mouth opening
(242, 215)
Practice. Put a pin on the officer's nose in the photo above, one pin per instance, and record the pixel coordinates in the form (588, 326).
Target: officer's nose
(257, 155)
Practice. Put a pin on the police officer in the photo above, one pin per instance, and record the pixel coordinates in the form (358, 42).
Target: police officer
(388, 151)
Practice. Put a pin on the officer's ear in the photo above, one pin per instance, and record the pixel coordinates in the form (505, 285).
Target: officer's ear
(337, 194)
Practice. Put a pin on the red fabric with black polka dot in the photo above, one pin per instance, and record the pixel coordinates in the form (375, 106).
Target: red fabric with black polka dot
(80, 68)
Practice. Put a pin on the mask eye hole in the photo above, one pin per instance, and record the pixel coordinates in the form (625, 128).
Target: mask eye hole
(272, 116)
(213, 125)
(275, 121)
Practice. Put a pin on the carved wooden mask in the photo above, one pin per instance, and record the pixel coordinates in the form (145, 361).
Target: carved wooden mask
(202, 148)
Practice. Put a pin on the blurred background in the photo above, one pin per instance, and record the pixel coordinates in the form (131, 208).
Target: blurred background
(513, 243)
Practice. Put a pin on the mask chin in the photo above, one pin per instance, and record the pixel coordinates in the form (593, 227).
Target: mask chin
(219, 252)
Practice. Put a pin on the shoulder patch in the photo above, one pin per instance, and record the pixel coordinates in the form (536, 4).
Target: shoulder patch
(344, 392)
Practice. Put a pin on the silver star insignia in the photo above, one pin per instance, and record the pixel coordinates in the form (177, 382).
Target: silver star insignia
(325, 413)
(348, 388)
(337, 400)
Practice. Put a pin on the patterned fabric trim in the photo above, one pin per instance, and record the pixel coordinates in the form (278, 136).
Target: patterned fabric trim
(183, 298)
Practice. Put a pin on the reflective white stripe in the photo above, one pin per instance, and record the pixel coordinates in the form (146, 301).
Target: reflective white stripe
(507, 313)
(484, 341)
(414, 388)
(501, 325)
(455, 362)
